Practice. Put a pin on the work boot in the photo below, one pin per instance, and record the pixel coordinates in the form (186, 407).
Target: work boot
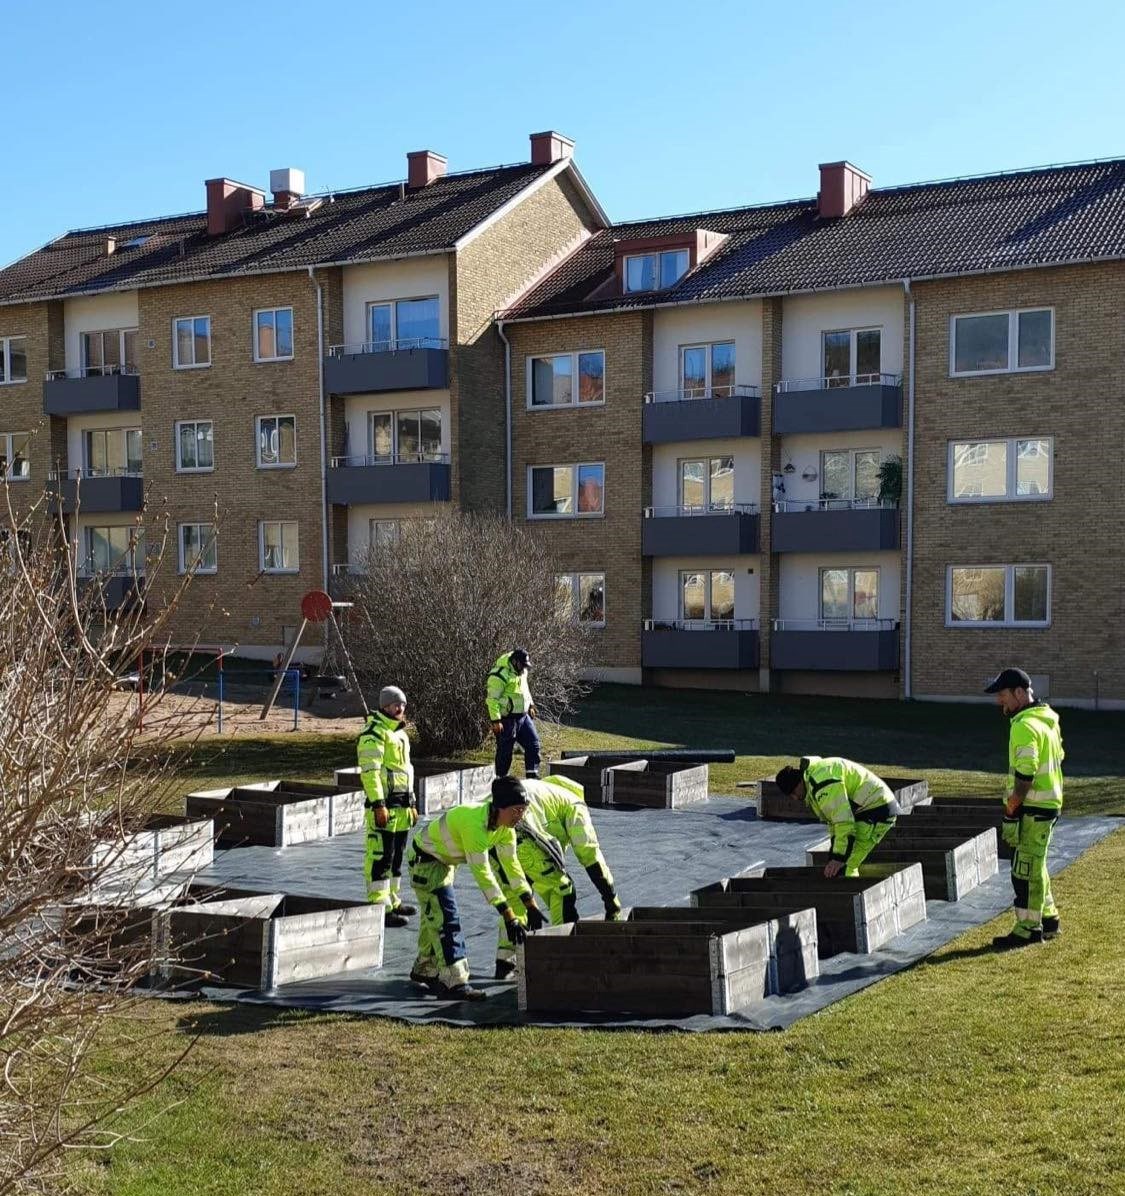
(464, 992)
(407, 911)
(1011, 940)
(1051, 928)
(393, 918)
(431, 982)
(504, 968)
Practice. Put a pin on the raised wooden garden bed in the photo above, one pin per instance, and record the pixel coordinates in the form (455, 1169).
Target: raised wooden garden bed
(161, 845)
(590, 773)
(858, 915)
(653, 967)
(776, 806)
(439, 784)
(961, 814)
(656, 784)
(277, 813)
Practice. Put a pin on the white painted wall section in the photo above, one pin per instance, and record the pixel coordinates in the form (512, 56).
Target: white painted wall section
(100, 313)
(378, 282)
(739, 322)
(666, 460)
(805, 318)
(799, 582)
(360, 516)
(666, 584)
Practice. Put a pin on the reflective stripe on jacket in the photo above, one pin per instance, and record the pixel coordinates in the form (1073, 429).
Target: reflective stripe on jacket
(461, 836)
(1035, 752)
(836, 790)
(383, 752)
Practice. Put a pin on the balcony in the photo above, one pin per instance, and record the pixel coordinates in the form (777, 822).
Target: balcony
(848, 404)
(98, 493)
(421, 364)
(353, 481)
(700, 644)
(92, 389)
(700, 531)
(702, 413)
(835, 645)
(119, 590)
(834, 525)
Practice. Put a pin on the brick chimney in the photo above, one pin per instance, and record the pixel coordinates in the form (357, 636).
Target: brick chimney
(287, 186)
(550, 147)
(227, 202)
(842, 186)
(423, 167)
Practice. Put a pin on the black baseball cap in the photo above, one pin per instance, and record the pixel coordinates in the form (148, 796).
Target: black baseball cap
(788, 779)
(1008, 679)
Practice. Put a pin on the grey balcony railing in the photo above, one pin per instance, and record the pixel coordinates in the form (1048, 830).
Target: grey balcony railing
(687, 394)
(402, 344)
(835, 624)
(837, 382)
(393, 459)
(683, 512)
(93, 371)
(79, 475)
(784, 505)
(701, 625)
(348, 569)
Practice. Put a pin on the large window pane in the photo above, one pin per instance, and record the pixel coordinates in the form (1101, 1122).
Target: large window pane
(673, 266)
(977, 595)
(92, 352)
(980, 469)
(981, 343)
(267, 337)
(836, 470)
(865, 594)
(111, 348)
(409, 435)
(564, 596)
(591, 377)
(133, 451)
(17, 358)
(591, 597)
(552, 381)
(417, 322)
(1034, 339)
(1030, 593)
(867, 473)
(640, 273)
(430, 433)
(590, 488)
(202, 338)
(380, 331)
(693, 483)
(838, 356)
(1033, 467)
(722, 594)
(552, 490)
(868, 355)
(693, 595)
(693, 369)
(722, 369)
(283, 330)
(382, 437)
(96, 463)
(833, 593)
(722, 483)
(129, 337)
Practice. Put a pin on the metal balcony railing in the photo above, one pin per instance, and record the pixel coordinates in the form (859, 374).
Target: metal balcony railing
(348, 569)
(392, 459)
(835, 624)
(686, 394)
(701, 625)
(402, 344)
(837, 382)
(782, 505)
(93, 371)
(78, 475)
(89, 569)
(676, 512)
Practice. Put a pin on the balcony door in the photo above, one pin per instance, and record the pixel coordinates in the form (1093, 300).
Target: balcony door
(849, 475)
(852, 357)
(707, 484)
(707, 596)
(109, 352)
(848, 595)
(404, 436)
(707, 371)
(404, 324)
(112, 452)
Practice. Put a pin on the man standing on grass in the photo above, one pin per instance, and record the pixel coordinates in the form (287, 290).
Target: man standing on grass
(858, 807)
(389, 806)
(512, 712)
(1032, 806)
(466, 835)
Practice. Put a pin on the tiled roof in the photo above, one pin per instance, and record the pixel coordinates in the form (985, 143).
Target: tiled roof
(992, 223)
(350, 226)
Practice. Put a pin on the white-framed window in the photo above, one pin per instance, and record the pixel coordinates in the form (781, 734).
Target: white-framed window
(383, 533)
(998, 596)
(278, 546)
(1002, 342)
(850, 474)
(1016, 470)
(707, 595)
(707, 371)
(199, 548)
(404, 324)
(849, 593)
(118, 550)
(111, 452)
(581, 597)
(567, 379)
(13, 359)
(195, 446)
(655, 271)
(109, 351)
(566, 491)
(273, 334)
(191, 342)
(405, 436)
(852, 356)
(707, 484)
(276, 437)
(15, 463)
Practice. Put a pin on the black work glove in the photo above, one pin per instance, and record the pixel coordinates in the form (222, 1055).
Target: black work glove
(517, 932)
(535, 919)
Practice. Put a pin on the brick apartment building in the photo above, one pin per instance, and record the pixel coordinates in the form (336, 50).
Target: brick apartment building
(706, 411)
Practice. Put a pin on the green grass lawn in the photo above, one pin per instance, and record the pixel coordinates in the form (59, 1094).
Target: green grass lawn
(969, 1073)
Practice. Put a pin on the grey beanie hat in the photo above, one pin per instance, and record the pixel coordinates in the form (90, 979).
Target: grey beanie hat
(389, 694)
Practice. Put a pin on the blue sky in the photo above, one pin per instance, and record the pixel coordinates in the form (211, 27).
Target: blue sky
(124, 108)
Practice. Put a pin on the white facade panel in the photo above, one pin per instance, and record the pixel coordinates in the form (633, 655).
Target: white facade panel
(676, 327)
(378, 282)
(101, 313)
(806, 318)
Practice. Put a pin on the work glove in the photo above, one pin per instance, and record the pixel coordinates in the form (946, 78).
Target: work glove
(833, 868)
(532, 711)
(381, 816)
(606, 891)
(413, 814)
(497, 727)
(1010, 831)
(517, 932)
(535, 919)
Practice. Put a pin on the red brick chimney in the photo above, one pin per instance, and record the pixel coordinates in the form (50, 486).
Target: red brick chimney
(550, 147)
(227, 202)
(423, 167)
(842, 186)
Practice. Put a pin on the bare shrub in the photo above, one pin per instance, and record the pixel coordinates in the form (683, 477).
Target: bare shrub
(434, 611)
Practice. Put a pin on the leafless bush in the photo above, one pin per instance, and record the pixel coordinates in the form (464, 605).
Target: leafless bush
(435, 610)
(72, 775)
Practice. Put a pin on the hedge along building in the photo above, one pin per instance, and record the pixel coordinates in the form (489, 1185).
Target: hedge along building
(861, 444)
(282, 381)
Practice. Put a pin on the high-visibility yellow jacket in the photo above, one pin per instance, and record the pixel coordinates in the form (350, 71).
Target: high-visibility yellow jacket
(384, 759)
(506, 691)
(1035, 753)
(557, 808)
(836, 790)
(462, 836)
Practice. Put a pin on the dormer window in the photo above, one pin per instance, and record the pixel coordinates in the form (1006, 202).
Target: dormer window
(656, 271)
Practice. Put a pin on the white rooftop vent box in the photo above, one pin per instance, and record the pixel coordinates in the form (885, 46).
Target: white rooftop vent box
(287, 179)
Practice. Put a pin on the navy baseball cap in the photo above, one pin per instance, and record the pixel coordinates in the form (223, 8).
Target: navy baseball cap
(1008, 679)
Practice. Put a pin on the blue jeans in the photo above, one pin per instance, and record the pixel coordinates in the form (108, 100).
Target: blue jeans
(517, 728)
